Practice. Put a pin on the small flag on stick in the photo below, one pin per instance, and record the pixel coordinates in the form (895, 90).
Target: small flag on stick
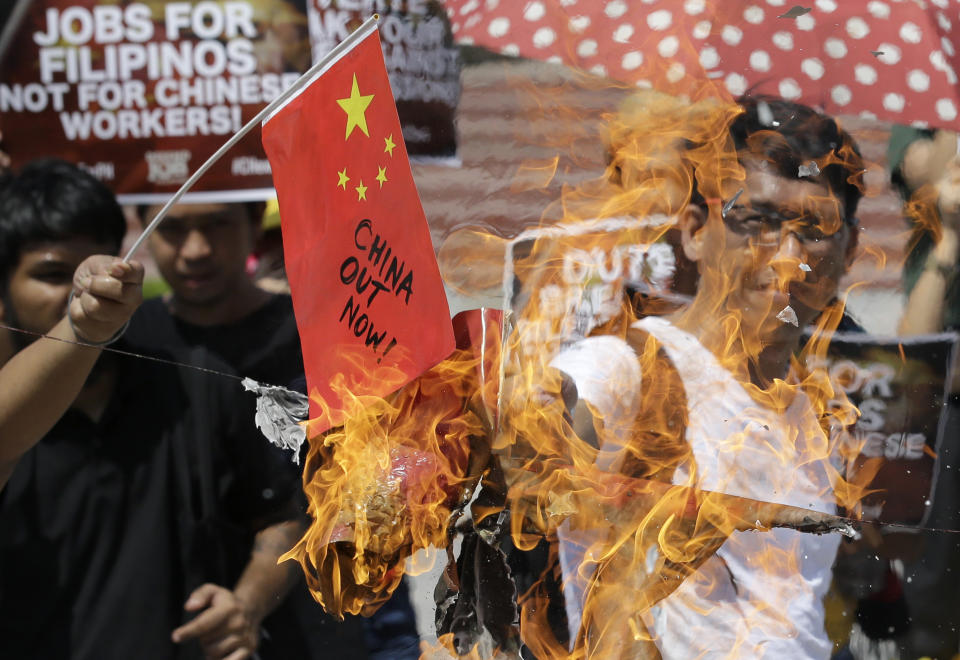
(367, 293)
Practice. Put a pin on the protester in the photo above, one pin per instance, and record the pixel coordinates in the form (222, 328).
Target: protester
(40, 379)
(201, 251)
(925, 168)
(122, 527)
(771, 237)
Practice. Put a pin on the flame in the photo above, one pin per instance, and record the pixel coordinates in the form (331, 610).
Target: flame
(535, 175)
(496, 440)
(922, 210)
(384, 484)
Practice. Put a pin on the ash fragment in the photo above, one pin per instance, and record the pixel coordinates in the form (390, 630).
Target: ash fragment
(787, 315)
(809, 170)
(826, 525)
(480, 604)
(850, 532)
(729, 205)
(765, 114)
(796, 11)
(279, 413)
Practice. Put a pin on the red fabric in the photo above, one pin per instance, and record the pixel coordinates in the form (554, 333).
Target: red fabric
(892, 589)
(367, 293)
(825, 57)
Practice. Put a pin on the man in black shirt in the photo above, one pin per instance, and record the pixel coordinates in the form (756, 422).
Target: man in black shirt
(201, 250)
(120, 526)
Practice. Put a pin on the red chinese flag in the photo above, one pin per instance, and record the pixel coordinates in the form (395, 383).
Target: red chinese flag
(367, 292)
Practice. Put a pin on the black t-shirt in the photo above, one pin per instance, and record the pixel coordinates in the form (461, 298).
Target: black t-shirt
(105, 528)
(263, 345)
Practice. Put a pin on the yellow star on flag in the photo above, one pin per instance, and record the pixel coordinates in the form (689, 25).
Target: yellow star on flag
(343, 178)
(390, 146)
(361, 191)
(355, 106)
(382, 175)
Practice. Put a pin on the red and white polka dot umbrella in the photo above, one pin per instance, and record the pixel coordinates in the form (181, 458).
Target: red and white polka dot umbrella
(891, 59)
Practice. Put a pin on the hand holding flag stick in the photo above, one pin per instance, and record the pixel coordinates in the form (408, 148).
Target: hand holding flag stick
(322, 65)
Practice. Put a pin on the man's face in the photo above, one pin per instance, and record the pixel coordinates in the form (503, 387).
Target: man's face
(784, 242)
(201, 250)
(936, 162)
(39, 285)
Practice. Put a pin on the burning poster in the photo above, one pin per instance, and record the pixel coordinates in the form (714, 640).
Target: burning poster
(672, 467)
(564, 282)
(900, 387)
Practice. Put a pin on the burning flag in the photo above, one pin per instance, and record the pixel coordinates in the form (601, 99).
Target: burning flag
(367, 293)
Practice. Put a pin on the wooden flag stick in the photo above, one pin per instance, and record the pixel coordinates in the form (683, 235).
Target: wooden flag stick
(325, 62)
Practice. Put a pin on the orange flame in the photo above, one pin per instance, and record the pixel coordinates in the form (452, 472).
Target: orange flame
(383, 485)
(625, 488)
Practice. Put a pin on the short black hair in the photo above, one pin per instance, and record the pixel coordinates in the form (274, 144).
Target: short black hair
(789, 135)
(52, 200)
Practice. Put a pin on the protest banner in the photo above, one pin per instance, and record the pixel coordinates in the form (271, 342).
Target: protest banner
(140, 93)
(366, 288)
(900, 386)
(423, 64)
(562, 282)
